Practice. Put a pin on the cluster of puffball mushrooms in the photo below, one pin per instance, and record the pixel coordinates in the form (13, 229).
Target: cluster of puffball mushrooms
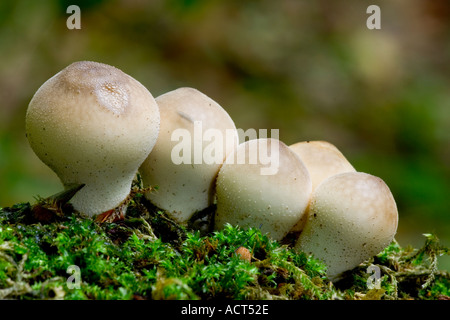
(93, 124)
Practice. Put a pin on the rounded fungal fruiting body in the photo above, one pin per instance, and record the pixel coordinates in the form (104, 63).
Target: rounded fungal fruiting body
(195, 137)
(91, 123)
(323, 160)
(352, 217)
(272, 200)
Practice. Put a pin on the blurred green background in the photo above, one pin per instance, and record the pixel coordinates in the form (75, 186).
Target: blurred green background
(311, 69)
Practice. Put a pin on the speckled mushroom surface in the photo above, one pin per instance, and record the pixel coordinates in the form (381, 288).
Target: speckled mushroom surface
(91, 123)
(184, 187)
(352, 217)
(271, 202)
(322, 159)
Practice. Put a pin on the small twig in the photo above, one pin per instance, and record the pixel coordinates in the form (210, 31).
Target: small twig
(18, 286)
(150, 230)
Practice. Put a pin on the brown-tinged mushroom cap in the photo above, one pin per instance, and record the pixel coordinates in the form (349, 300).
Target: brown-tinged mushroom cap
(93, 124)
(186, 176)
(352, 217)
(272, 202)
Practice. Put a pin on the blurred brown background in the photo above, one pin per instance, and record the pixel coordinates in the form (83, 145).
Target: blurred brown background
(311, 69)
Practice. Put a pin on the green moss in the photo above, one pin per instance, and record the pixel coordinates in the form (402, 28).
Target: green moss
(148, 256)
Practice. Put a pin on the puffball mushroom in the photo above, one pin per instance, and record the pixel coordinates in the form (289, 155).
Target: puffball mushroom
(352, 217)
(323, 160)
(273, 202)
(93, 124)
(195, 137)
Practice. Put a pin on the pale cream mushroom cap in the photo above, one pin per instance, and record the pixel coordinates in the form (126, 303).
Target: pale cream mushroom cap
(352, 217)
(272, 202)
(323, 160)
(188, 187)
(91, 123)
